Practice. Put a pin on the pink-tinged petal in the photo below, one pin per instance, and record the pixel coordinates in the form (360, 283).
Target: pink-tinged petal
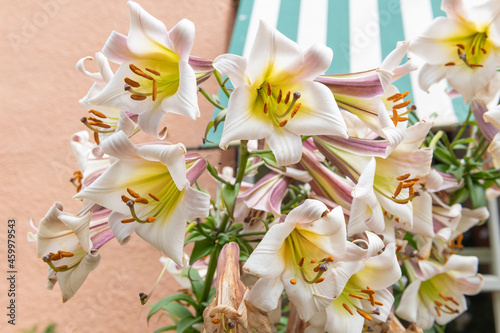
(266, 293)
(422, 218)
(120, 146)
(492, 116)
(316, 61)
(363, 147)
(271, 252)
(80, 226)
(273, 52)
(122, 231)
(461, 266)
(93, 76)
(494, 147)
(437, 44)
(150, 121)
(363, 85)
(126, 124)
(116, 48)
(170, 155)
(147, 36)
(454, 9)
(286, 146)
(430, 74)
(233, 66)
(185, 100)
(309, 211)
(104, 67)
(471, 217)
(167, 235)
(182, 37)
(480, 111)
(200, 65)
(390, 63)
(380, 271)
(195, 170)
(242, 121)
(409, 305)
(197, 203)
(471, 285)
(319, 114)
(73, 279)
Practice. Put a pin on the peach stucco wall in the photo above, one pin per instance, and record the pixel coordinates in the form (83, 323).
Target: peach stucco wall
(40, 89)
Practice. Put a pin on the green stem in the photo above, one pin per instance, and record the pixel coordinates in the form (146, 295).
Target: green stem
(251, 234)
(221, 84)
(242, 164)
(210, 99)
(212, 267)
(462, 129)
(222, 227)
(435, 139)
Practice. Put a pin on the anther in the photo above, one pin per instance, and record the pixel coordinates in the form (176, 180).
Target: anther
(301, 262)
(379, 303)
(483, 50)
(438, 303)
(150, 219)
(364, 315)
(133, 193)
(155, 90)
(403, 177)
(450, 308)
(153, 71)
(314, 261)
(321, 279)
(95, 119)
(280, 95)
(130, 220)
(451, 298)
(132, 83)
(325, 213)
(97, 113)
(215, 321)
(287, 97)
(398, 189)
(101, 125)
(142, 201)
(461, 46)
(96, 138)
(473, 49)
(443, 297)
(475, 65)
(451, 63)
(356, 296)
(407, 185)
(329, 259)
(137, 97)
(348, 309)
(295, 110)
(283, 123)
(125, 199)
(269, 89)
(401, 105)
(231, 324)
(437, 311)
(293, 281)
(155, 198)
(266, 108)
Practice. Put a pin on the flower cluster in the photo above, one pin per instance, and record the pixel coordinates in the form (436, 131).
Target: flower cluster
(338, 187)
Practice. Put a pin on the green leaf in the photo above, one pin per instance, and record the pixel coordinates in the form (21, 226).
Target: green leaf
(458, 172)
(461, 195)
(201, 249)
(195, 279)
(187, 322)
(410, 238)
(476, 191)
(229, 194)
(164, 301)
(209, 127)
(176, 311)
(212, 170)
(267, 156)
(166, 328)
(444, 156)
(193, 237)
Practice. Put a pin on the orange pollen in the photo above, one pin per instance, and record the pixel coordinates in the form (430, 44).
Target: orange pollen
(150, 219)
(133, 193)
(451, 63)
(102, 125)
(473, 49)
(407, 185)
(356, 296)
(293, 281)
(396, 219)
(287, 97)
(132, 83)
(461, 46)
(155, 90)
(395, 117)
(295, 110)
(438, 303)
(437, 311)
(403, 177)
(283, 123)
(155, 198)
(348, 309)
(280, 95)
(371, 299)
(453, 300)
(321, 279)
(443, 297)
(269, 89)
(128, 220)
(329, 259)
(459, 52)
(398, 189)
(401, 105)
(266, 108)
(475, 65)
(97, 113)
(139, 72)
(125, 198)
(95, 119)
(412, 191)
(450, 308)
(96, 138)
(142, 200)
(416, 179)
(215, 321)
(153, 71)
(314, 261)
(483, 50)
(364, 315)
(137, 97)
(368, 291)
(301, 262)
(316, 269)
(379, 303)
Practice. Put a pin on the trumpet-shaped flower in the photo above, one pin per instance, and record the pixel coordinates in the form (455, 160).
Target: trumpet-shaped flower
(155, 76)
(365, 299)
(436, 292)
(463, 47)
(275, 96)
(148, 189)
(296, 256)
(68, 244)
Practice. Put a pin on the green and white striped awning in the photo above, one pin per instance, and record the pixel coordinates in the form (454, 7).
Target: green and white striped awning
(361, 34)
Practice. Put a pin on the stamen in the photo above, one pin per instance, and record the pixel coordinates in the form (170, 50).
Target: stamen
(296, 96)
(97, 113)
(314, 261)
(461, 46)
(101, 125)
(128, 220)
(215, 321)
(62, 267)
(473, 49)
(94, 120)
(364, 315)
(153, 71)
(139, 72)
(301, 262)
(443, 297)
(132, 83)
(402, 105)
(287, 97)
(407, 185)
(416, 179)
(379, 303)
(321, 279)
(437, 311)
(293, 281)
(96, 138)
(450, 308)
(451, 63)
(329, 259)
(269, 89)
(475, 65)
(395, 117)
(137, 97)
(133, 193)
(398, 189)
(141, 200)
(155, 198)
(483, 50)
(266, 109)
(283, 123)
(451, 298)
(295, 110)
(155, 90)
(280, 95)
(356, 296)
(438, 303)
(150, 219)
(348, 309)
(125, 199)
(403, 177)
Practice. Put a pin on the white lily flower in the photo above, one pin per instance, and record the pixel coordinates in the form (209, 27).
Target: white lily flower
(437, 290)
(68, 244)
(463, 47)
(296, 255)
(365, 299)
(275, 96)
(156, 178)
(154, 75)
